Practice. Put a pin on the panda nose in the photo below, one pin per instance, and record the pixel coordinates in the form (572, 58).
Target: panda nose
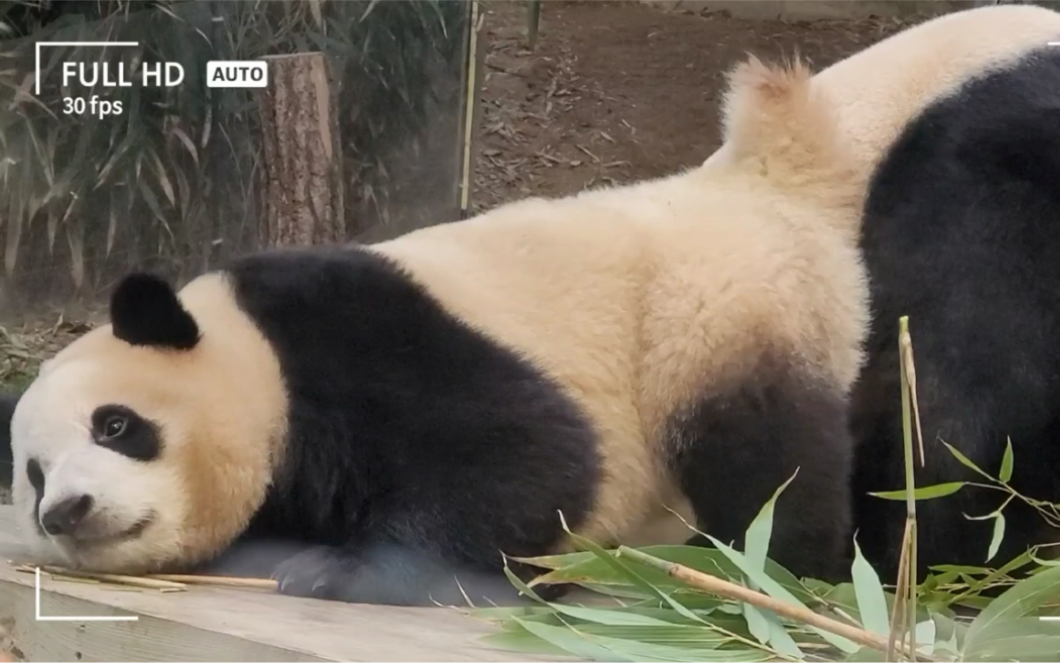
(64, 517)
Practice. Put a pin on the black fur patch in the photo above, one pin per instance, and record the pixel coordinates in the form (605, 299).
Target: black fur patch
(138, 438)
(7, 460)
(145, 310)
(962, 234)
(736, 449)
(408, 429)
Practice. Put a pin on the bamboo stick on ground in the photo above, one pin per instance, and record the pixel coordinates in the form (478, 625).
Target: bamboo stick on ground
(135, 581)
(221, 581)
(163, 581)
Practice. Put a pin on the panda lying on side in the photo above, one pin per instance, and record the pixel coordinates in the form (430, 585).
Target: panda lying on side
(401, 412)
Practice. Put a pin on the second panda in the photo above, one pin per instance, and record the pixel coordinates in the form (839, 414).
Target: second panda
(953, 123)
(435, 401)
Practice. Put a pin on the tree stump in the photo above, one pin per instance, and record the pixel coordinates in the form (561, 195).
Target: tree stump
(303, 162)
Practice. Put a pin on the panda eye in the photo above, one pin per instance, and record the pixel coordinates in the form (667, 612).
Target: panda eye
(122, 430)
(114, 426)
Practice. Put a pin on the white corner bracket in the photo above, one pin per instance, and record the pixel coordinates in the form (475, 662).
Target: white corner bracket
(73, 618)
(37, 46)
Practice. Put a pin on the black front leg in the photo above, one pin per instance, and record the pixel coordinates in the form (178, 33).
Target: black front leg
(253, 558)
(394, 574)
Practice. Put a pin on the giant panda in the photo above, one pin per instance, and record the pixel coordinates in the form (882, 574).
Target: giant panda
(961, 232)
(402, 412)
(927, 115)
(935, 165)
(920, 245)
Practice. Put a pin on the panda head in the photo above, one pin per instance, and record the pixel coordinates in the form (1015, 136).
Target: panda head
(149, 443)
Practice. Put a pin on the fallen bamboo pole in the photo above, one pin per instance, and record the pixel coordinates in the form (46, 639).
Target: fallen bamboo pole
(219, 581)
(163, 581)
(135, 581)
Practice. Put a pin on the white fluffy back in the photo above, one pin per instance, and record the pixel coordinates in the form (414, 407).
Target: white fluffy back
(878, 90)
(641, 298)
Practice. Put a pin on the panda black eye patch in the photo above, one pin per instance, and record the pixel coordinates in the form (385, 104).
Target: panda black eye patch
(120, 429)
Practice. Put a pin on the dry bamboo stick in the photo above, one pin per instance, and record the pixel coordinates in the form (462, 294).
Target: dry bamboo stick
(220, 581)
(135, 581)
(164, 581)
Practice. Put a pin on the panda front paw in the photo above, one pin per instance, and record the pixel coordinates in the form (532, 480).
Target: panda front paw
(388, 574)
(319, 572)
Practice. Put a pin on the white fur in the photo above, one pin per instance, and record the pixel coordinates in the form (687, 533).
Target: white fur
(220, 407)
(125, 490)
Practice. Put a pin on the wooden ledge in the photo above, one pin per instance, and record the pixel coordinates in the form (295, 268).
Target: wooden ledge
(221, 624)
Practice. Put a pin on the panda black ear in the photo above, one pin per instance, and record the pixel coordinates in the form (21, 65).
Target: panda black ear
(145, 310)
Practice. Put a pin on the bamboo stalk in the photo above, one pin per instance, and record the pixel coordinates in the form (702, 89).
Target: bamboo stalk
(135, 581)
(729, 590)
(533, 22)
(220, 581)
(162, 581)
(903, 621)
(899, 616)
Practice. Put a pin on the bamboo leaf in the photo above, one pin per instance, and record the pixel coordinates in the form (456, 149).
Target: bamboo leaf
(15, 220)
(964, 460)
(152, 202)
(614, 562)
(767, 628)
(564, 639)
(115, 158)
(669, 635)
(76, 166)
(519, 639)
(610, 617)
(998, 535)
(924, 492)
(761, 528)
(866, 655)
(1014, 604)
(163, 179)
(606, 617)
(774, 589)
(872, 603)
(1021, 639)
(756, 623)
(186, 141)
(582, 567)
(112, 230)
(925, 636)
(957, 568)
(368, 10)
(1007, 462)
(631, 650)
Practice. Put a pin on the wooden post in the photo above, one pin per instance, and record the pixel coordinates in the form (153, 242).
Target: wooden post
(303, 161)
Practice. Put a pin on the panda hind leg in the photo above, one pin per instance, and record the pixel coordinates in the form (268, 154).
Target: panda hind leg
(734, 450)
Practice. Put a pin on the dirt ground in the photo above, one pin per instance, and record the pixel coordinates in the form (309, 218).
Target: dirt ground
(620, 91)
